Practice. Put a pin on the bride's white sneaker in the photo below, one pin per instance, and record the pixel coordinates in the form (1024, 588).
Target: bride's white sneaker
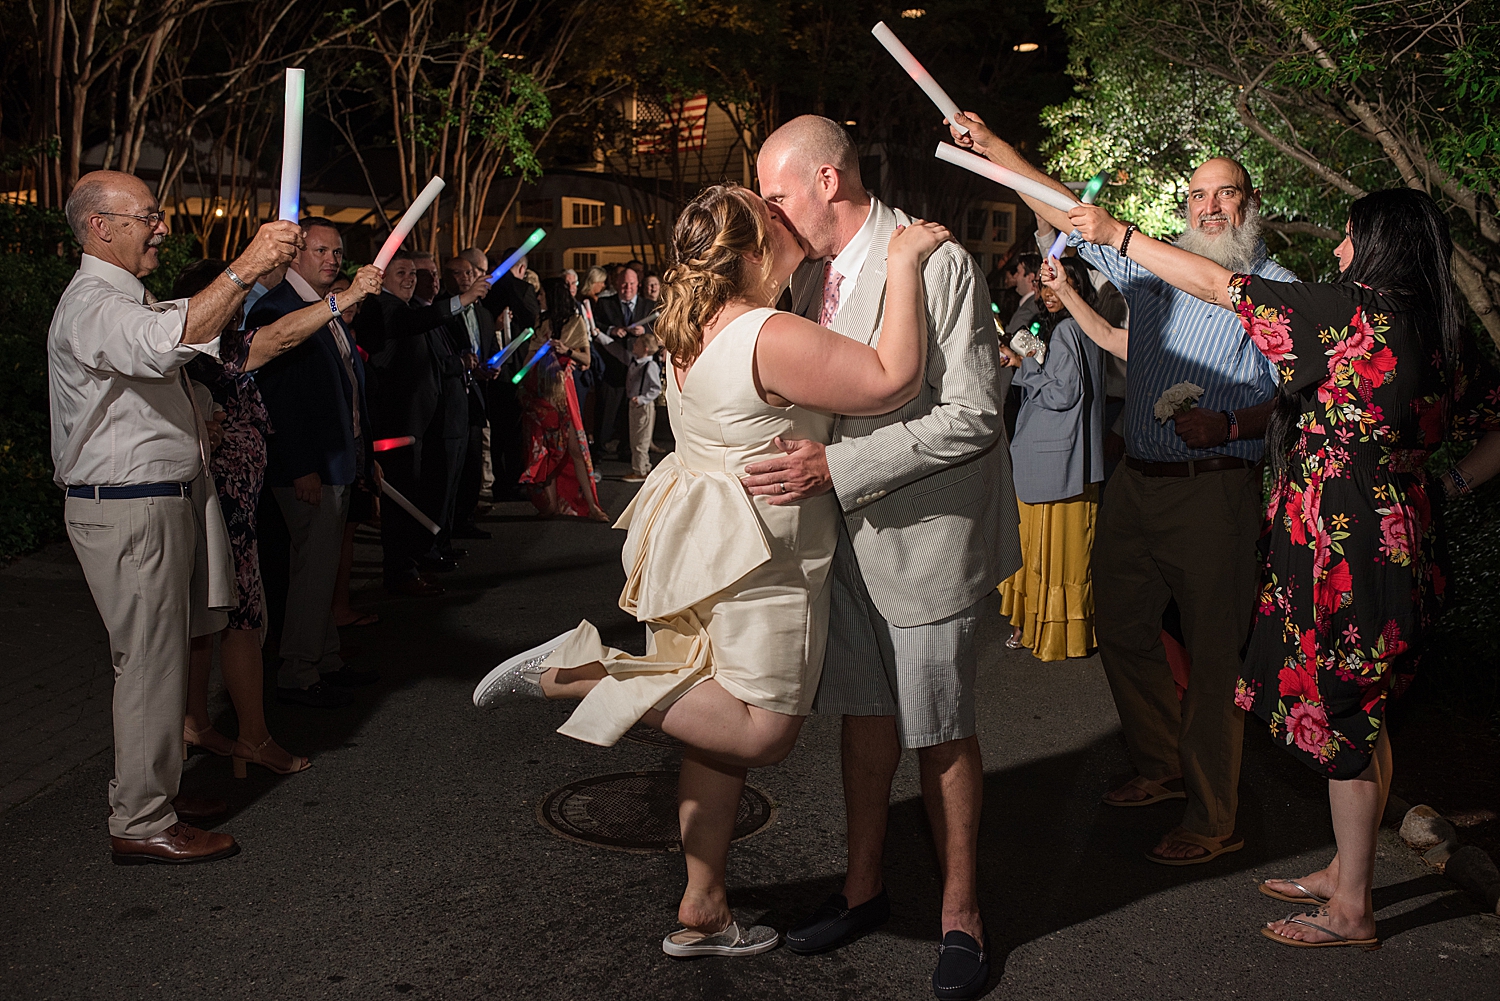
(520, 675)
(732, 941)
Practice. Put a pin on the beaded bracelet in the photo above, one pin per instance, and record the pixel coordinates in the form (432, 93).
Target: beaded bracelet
(1125, 243)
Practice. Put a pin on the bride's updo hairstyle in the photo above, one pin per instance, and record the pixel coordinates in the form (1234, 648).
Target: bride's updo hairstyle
(713, 238)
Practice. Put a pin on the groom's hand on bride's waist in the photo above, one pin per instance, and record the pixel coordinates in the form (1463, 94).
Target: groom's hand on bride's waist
(801, 472)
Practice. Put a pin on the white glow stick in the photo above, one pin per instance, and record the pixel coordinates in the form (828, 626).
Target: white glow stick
(408, 507)
(291, 147)
(404, 227)
(918, 73)
(1009, 178)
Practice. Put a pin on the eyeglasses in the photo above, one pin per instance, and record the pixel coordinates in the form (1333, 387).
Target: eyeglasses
(152, 219)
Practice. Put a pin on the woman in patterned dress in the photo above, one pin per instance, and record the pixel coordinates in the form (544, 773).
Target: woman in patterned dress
(1375, 375)
(238, 465)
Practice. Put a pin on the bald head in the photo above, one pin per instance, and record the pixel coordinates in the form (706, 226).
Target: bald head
(117, 219)
(809, 175)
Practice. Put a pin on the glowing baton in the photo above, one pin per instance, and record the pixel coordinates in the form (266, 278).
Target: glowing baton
(408, 507)
(918, 73)
(536, 237)
(1090, 191)
(291, 147)
(501, 357)
(516, 379)
(1009, 178)
(408, 222)
(386, 444)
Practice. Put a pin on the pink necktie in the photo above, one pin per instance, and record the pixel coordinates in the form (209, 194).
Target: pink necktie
(831, 282)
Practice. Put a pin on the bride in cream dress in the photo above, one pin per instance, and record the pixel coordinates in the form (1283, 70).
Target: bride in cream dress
(733, 590)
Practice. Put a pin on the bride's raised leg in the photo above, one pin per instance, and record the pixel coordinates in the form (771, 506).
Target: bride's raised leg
(728, 730)
(708, 798)
(572, 682)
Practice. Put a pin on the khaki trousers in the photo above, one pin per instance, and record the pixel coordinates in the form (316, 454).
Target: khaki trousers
(642, 426)
(139, 557)
(1191, 538)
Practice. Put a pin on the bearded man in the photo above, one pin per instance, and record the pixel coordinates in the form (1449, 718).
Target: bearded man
(1182, 513)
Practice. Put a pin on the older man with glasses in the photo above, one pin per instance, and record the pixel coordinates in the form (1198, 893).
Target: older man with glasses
(127, 447)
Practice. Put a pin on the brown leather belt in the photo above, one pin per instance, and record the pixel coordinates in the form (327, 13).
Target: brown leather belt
(1190, 468)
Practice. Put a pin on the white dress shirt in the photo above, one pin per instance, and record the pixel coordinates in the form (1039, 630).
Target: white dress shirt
(852, 257)
(120, 411)
(342, 340)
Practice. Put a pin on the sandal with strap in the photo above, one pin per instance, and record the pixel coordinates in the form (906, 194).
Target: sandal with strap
(1156, 792)
(208, 738)
(1212, 847)
(244, 755)
(1307, 895)
(1367, 944)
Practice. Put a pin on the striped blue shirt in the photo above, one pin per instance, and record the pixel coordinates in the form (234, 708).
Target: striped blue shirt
(1175, 337)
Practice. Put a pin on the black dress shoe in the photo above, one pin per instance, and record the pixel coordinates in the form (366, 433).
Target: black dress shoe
(348, 677)
(436, 564)
(836, 922)
(963, 967)
(453, 553)
(315, 696)
(470, 532)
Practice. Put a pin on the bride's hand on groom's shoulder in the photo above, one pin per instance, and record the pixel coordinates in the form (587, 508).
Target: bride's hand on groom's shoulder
(917, 241)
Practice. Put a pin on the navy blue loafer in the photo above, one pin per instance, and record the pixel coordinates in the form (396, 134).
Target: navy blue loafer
(836, 922)
(963, 967)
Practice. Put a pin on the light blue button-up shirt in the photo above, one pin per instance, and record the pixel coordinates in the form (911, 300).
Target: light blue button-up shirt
(1176, 337)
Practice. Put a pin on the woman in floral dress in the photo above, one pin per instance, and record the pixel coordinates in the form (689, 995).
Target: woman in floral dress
(559, 471)
(1374, 376)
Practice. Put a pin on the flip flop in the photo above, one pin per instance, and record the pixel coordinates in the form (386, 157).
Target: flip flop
(1209, 845)
(1308, 895)
(1367, 944)
(1155, 793)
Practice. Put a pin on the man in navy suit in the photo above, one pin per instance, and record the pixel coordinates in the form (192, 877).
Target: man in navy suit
(622, 316)
(318, 451)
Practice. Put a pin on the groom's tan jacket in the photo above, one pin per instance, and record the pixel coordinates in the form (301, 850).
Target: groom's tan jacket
(926, 490)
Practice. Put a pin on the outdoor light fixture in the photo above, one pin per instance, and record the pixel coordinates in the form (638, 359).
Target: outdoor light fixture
(219, 213)
(913, 12)
(1025, 47)
(851, 123)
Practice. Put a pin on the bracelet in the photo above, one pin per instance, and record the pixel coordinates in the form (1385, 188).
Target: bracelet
(333, 305)
(229, 273)
(1460, 485)
(1125, 243)
(1232, 433)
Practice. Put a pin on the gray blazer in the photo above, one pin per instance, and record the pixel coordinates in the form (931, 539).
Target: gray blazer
(1058, 448)
(926, 490)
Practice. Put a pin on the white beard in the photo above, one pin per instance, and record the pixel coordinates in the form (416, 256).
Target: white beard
(1235, 248)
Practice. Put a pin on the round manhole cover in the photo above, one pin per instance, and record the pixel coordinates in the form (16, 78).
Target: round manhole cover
(652, 737)
(636, 812)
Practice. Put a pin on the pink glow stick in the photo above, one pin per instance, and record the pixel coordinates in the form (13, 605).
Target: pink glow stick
(408, 222)
(1009, 178)
(918, 73)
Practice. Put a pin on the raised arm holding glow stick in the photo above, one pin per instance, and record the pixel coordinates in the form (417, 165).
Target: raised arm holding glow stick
(291, 147)
(502, 356)
(1090, 192)
(915, 70)
(536, 237)
(408, 222)
(1001, 175)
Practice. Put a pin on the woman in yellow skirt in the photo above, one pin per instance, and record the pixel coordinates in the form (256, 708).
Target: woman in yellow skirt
(1058, 462)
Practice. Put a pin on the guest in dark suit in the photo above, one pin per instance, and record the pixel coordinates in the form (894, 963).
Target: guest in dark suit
(514, 305)
(617, 317)
(320, 449)
(418, 392)
(472, 332)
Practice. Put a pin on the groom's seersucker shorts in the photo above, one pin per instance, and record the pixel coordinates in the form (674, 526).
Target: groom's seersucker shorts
(923, 675)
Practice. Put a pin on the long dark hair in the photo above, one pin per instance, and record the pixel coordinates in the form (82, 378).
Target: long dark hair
(561, 306)
(1402, 247)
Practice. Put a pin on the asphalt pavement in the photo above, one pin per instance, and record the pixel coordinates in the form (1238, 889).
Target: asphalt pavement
(410, 861)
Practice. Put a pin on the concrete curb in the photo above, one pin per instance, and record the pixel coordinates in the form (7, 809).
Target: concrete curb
(1426, 831)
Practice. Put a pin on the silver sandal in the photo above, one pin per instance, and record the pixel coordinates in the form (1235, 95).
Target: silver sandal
(685, 943)
(1278, 895)
(1367, 944)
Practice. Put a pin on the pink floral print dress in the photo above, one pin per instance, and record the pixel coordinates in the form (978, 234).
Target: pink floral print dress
(1352, 581)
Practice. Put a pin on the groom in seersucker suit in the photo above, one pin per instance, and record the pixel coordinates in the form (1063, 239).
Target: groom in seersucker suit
(930, 528)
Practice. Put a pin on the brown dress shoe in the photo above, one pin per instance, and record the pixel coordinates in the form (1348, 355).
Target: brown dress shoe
(198, 807)
(177, 845)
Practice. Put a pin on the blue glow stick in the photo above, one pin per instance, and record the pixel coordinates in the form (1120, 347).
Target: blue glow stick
(516, 379)
(1090, 191)
(536, 237)
(500, 357)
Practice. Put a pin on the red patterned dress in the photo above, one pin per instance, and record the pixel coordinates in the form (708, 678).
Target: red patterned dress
(1353, 580)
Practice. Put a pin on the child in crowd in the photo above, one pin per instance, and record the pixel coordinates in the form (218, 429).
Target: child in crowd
(642, 387)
